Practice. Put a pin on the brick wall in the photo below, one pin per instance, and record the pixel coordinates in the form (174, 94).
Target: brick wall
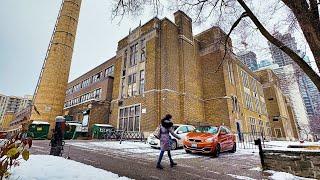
(299, 163)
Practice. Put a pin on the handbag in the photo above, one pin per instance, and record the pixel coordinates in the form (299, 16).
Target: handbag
(157, 132)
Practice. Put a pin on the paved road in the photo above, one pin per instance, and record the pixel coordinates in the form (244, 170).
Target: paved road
(142, 166)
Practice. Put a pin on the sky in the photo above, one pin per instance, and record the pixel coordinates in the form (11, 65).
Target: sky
(26, 28)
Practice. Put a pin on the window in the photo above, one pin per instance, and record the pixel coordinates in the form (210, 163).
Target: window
(133, 54)
(183, 129)
(125, 59)
(132, 89)
(76, 87)
(96, 77)
(245, 80)
(252, 122)
(85, 83)
(143, 50)
(230, 73)
(235, 104)
(109, 71)
(190, 128)
(141, 85)
(123, 94)
(129, 118)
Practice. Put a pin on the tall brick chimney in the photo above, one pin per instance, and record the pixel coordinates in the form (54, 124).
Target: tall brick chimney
(50, 92)
(184, 23)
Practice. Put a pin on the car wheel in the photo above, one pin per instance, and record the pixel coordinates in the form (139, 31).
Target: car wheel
(216, 152)
(234, 148)
(174, 145)
(187, 151)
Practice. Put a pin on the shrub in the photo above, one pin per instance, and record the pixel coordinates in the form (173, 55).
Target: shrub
(10, 152)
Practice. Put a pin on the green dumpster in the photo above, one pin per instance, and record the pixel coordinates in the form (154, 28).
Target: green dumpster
(38, 130)
(71, 132)
(98, 130)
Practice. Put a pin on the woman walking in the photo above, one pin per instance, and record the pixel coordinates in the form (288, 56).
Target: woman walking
(165, 139)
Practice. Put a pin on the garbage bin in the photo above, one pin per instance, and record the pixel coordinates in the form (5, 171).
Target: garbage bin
(38, 130)
(98, 130)
(72, 133)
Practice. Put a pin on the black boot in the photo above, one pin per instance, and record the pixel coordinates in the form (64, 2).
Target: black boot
(173, 164)
(159, 166)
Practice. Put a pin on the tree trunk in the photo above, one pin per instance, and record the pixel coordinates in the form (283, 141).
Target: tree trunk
(294, 56)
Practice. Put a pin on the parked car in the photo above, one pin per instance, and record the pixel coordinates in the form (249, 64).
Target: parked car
(210, 140)
(180, 129)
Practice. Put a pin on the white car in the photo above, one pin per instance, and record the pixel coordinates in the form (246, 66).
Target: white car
(180, 129)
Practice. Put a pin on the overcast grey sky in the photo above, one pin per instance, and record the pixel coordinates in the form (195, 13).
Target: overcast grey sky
(26, 28)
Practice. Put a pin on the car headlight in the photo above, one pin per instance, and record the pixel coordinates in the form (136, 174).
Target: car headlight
(209, 139)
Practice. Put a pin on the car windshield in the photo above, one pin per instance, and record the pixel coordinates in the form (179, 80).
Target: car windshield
(174, 127)
(207, 129)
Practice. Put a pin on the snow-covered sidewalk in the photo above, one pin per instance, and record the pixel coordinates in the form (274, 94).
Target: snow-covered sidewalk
(45, 167)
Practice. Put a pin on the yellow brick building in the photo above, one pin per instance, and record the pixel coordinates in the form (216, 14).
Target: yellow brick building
(283, 127)
(161, 67)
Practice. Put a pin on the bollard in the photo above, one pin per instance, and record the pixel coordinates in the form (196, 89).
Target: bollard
(57, 142)
(258, 143)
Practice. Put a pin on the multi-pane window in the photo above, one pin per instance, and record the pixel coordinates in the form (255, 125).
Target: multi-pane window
(96, 94)
(260, 124)
(252, 122)
(85, 83)
(230, 72)
(133, 54)
(143, 50)
(123, 94)
(125, 59)
(129, 118)
(141, 85)
(248, 101)
(132, 89)
(69, 91)
(96, 77)
(76, 87)
(235, 104)
(109, 71)
(245, 80)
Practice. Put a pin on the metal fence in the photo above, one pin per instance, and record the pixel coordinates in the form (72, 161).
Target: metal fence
(120, 135)
(245, 140)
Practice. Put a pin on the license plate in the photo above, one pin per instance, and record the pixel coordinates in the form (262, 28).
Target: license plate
(194, 145)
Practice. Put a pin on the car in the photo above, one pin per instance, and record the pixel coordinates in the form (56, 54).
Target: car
(180, 129)
(210, 140)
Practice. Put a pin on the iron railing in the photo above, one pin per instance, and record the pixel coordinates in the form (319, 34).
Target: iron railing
(245, 140)
(121, 135)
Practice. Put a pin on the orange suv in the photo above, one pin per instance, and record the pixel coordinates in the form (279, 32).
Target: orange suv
(210, 140)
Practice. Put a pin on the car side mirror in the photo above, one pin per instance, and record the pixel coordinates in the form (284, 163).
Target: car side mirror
(179, 132)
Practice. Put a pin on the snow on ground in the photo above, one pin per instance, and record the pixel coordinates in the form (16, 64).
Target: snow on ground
(240, 177)
(45, 167)
(141, 148)
(285, 176)
(286, 143)
(283, 145)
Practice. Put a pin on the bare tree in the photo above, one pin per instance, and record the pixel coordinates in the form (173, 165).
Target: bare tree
(305, 13)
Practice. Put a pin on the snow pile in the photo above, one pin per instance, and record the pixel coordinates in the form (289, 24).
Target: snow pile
(45, 167)
(284, 176)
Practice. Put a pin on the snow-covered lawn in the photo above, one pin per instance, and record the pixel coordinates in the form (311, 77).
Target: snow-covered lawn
(141, 148)
(45, 167)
